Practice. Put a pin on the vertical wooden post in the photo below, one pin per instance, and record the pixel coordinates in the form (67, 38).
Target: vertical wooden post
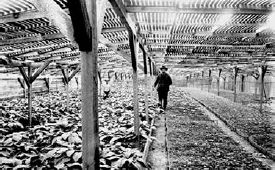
(66, 82)
(236, 69)
(263, 71)
(209, 80)
(56, 89)
(190, 80)
(47, 81)
(256, 85)
(202, 80)
(76, 80)
(30, 95)
(25, 89)
(134, 49)
(224, 83)
(218, 82)
(90, 138)
(151, 78)
(100, 81)
(146, 85)
(242, 85)
(84, 18)
(67, 95)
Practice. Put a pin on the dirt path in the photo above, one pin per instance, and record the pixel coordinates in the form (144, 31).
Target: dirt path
(157, 154)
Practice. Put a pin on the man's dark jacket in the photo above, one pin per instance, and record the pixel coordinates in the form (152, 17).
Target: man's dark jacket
(163, 82)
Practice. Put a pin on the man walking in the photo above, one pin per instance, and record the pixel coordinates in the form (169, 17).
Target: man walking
(162, 84)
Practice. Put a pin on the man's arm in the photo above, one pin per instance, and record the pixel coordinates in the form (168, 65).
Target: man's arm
(156, 82)
(170, 80)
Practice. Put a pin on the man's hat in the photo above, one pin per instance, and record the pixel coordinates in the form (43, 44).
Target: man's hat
(163, 67)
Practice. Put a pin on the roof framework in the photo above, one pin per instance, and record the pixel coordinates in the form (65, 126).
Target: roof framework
(180, 34)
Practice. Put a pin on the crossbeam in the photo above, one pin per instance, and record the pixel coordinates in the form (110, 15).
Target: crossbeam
(151, 9)
(126, 19)
(207, 45)
(21, 16)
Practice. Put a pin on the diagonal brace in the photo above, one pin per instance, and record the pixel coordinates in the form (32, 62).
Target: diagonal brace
(73, 73)
(26, 78)
(39, 71)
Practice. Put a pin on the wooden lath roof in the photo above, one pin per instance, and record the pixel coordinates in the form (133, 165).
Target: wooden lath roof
(212, 28)
(208, 31)
(37, 39)
(9, 7)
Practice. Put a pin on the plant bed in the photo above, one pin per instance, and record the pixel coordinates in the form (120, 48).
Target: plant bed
(264, 143)
(55, 141)
(196, 143)
(243, 120)
(242, 97)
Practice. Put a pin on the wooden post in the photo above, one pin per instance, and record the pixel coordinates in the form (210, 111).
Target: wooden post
(242, 85)
(47, 81)
(256, 86)
(151, 78)
(29, 79)
(202, 80)
(30, 96)
(224, 82)
(100, 81)
(56, 88)
(66, 82)
(236, 69)
(134, 49)
(209, 80)
(84, 18)
(263, 71)
(76, 80)
(146, 85)
(218, 82)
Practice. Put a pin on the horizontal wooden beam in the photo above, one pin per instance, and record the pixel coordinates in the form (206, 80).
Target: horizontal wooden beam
(208, 24)
(205, 34)
(115, 29)
(16, 63)
(152, 9)
(206, 45)
(9, 70)
(21, 16)
(30, 39)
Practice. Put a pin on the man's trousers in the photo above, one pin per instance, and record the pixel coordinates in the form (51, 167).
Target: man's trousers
(163, 98)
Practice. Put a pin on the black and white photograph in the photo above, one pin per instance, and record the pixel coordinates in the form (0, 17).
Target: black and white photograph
(137, 84)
